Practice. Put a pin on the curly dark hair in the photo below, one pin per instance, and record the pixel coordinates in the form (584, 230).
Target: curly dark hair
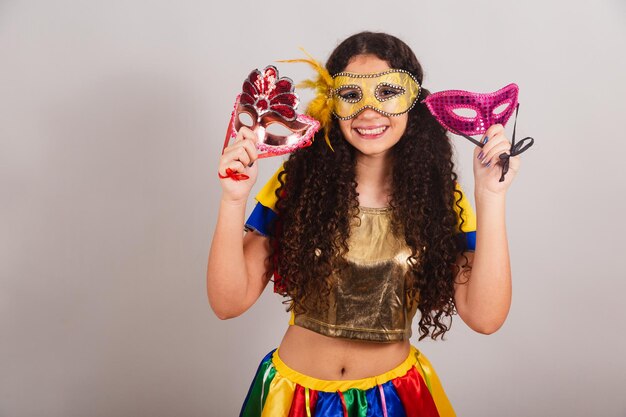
(317, 201)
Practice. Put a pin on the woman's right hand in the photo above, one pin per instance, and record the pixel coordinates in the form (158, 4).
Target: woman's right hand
(239, 157)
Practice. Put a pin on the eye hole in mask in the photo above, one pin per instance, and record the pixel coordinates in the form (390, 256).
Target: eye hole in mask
(501, 108)
(350, 93)
(246, 119)
(386, 91)
(465, 112)
(278, 129)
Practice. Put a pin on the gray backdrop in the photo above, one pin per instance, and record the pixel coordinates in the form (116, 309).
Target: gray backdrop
(112, 116)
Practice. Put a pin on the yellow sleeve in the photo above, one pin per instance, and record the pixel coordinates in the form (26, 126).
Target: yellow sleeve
(469, 217)
(267, 195)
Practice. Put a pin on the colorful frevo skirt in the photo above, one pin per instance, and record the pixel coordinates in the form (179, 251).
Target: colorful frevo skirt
(411, 389)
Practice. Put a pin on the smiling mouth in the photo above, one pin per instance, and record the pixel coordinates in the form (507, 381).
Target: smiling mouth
(371, 132)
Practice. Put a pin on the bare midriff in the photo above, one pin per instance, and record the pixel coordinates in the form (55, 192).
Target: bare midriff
(332, 358)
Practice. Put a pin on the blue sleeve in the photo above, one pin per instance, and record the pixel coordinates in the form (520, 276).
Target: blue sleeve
(470, 239)
(261, 220)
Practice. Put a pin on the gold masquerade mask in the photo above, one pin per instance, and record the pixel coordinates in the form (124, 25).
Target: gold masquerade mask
(391, 93)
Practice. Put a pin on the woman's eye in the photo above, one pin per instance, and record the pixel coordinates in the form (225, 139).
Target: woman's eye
(388, 92)
(350, 95)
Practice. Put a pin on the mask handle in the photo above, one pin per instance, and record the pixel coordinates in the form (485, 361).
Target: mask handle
(236, 176)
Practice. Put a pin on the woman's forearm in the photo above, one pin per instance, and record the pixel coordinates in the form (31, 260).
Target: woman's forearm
(488, 292)
(226, 271)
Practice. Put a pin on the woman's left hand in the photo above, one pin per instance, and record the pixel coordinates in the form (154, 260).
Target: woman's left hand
(488, 165)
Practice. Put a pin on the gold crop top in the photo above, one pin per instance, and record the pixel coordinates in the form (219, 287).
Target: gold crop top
(367, 299)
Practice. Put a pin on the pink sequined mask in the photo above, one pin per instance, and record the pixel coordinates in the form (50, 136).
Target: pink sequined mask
(444, 105)
(267, 106)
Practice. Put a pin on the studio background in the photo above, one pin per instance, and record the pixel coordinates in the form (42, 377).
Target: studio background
(112, 117)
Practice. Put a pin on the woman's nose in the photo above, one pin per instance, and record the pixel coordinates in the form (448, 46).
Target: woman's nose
(369, 114)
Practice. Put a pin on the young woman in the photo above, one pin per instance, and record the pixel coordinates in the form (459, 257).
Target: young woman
(360, 233)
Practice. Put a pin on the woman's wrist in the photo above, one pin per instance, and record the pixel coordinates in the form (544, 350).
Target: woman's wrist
(489, 197)
(233, 202)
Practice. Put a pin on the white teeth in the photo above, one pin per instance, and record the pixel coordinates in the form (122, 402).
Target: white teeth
(376, 131)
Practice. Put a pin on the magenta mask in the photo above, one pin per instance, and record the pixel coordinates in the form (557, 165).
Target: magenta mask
(486, 108)
(267, 106)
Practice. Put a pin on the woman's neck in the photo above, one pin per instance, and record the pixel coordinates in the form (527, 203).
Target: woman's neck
(373, 177)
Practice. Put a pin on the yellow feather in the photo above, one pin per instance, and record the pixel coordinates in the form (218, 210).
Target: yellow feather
(321, 107)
